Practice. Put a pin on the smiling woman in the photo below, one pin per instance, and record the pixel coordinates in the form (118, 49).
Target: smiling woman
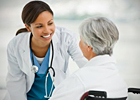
(37, 48)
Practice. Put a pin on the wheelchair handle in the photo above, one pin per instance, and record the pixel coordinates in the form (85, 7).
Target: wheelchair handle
(134, 90)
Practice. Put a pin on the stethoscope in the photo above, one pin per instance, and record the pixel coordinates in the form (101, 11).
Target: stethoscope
(34, 69)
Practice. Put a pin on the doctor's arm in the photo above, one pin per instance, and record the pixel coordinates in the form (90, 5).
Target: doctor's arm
(15, 81)
(75, 52)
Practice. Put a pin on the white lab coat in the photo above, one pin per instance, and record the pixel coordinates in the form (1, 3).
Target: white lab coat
(20, 77)
(100, 73)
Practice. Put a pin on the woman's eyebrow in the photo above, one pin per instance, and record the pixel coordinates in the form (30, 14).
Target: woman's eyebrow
(50, 20)
(38, 24)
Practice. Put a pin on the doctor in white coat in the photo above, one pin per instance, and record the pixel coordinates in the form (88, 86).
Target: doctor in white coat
(98, 37)
(34, 43)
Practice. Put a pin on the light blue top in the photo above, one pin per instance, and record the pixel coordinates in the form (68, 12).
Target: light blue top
(37, 91)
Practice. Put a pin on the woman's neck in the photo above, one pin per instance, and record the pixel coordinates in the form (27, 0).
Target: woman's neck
(39, 49)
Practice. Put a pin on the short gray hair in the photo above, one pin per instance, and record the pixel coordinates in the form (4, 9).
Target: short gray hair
(100, 33)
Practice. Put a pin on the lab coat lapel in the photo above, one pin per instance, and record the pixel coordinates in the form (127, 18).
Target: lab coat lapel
(26, 61)
(25, 55)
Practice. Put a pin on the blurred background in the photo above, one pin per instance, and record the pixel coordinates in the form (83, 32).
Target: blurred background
(69, 14)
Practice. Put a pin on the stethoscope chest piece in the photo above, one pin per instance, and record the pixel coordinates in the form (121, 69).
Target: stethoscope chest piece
(34, 69)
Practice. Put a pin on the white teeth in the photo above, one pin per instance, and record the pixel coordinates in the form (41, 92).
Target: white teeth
(46, 36)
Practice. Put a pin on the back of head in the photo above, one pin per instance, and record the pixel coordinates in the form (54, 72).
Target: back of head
(100, 33)
(31, 11)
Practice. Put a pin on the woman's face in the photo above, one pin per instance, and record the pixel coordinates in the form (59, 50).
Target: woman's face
(43, 28)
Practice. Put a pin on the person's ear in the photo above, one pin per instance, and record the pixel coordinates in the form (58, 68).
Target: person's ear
(91, 52)
(89, 48)
(28, 27)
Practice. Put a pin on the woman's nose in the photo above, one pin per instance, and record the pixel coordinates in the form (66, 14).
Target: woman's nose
(47, 30)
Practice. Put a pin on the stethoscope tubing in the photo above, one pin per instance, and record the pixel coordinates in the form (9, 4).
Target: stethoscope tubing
(51, 62)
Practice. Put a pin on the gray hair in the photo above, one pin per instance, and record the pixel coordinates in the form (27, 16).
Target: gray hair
(99, 33)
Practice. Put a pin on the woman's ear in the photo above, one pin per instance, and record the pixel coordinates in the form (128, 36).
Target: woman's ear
(28, 27)
(89, 48)
(91, 52)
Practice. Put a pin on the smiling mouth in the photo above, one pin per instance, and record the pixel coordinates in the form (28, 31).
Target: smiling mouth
(46, 36)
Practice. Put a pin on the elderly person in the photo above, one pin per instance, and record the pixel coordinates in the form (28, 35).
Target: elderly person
(98, 37)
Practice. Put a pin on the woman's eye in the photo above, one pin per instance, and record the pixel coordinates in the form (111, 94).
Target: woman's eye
(38, 26)
(50, 23)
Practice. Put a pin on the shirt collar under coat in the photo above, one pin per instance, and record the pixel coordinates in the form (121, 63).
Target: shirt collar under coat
(101, 60)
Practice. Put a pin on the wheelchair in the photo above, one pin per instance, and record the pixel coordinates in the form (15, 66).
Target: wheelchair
(102, 95)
